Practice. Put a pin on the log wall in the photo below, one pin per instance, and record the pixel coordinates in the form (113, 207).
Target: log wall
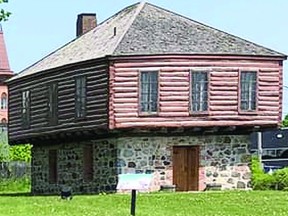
(174, 92)
(96, 102)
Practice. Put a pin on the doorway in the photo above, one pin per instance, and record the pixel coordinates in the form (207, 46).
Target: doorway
(186, 168)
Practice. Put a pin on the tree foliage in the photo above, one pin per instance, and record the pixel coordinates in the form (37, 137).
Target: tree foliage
(3, 13)
(20, 153)
(285, 121)
(4, 146)
(13, 153)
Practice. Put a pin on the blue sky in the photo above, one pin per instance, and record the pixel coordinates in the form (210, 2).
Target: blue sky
(37, 28)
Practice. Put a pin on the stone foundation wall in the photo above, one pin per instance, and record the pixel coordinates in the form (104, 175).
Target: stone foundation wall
(70, 168)
(223, 159)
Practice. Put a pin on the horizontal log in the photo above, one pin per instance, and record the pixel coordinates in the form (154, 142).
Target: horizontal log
(126, 95)
(190, 63)
(262, 70)
(65, 85)
(126, 115)
(173, 79)
(126, 84)
(173, 84)
(184, 88)
(14, 104)
(175, 109)
(223, 83)
(124, 105)
(223, 93)
(66, 91)
(125, 100)
(125, 110)
(37, 125)
(268, 108)
(213, 102)
(94, 77)
(269, 73)
(223, 78)
(224, 113)
(175, 93)
(173, 104)
(225, 116)
(175, 98)
(223, 108)
(125, 89)
(174, 114)
(269, 93)
(220, 98)
(41, 112)
(38, 92)
(39, 101)
(241, 118)
(97, 86)
(227, 74)
(268, 98)
(195, 124)
(126, 74)
(120, 79)
(100, 101)
(39, 106)
(179, 73)
(95, 107)
(269, 103)
(65, 97)
(268, 83)
(66, 106)
(268, 88)
(14, 96)
(269, 79)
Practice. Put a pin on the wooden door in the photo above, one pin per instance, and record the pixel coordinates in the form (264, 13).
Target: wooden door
(186, 168)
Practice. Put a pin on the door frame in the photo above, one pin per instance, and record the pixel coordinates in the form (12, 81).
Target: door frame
(194, 165)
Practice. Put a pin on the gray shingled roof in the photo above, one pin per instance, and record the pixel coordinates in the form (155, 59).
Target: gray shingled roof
(145, 29)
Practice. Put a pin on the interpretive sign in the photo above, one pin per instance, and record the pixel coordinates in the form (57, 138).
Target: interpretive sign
(134, 181)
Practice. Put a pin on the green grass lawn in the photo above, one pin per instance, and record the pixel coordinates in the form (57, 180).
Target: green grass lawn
(234, 203)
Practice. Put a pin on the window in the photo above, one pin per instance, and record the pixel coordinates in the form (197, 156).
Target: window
(80, 97)
(4, 124)
(53, 173)
(52, 103)
(88, 163)
(199, 94)
(149, 92)
(248, 91)
(26, 108)
(4, 101)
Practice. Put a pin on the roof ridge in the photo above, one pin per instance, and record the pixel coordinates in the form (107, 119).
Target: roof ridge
(213, 28)
(138, 10)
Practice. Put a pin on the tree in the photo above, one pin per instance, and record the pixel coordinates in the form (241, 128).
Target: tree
(3, 13)
(285, 121)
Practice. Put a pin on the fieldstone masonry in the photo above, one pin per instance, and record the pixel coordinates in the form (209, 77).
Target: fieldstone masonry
(223, 160)
(70, 168)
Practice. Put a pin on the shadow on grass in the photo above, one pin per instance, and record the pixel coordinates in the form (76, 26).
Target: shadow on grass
(25, 194)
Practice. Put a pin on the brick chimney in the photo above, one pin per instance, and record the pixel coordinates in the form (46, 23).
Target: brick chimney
(85, 22)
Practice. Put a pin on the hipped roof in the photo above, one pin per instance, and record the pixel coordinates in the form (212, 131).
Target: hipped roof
(145, 29)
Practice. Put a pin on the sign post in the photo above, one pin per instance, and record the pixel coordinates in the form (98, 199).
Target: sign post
(133, 202)
(134, 182)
